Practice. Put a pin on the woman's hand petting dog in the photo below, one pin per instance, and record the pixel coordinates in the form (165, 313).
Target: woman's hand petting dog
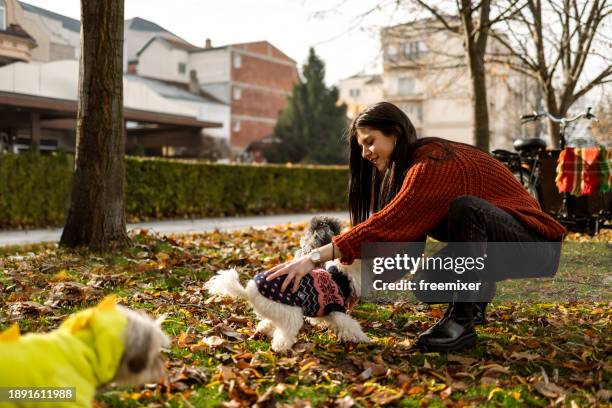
(295, 270)
(322, 295)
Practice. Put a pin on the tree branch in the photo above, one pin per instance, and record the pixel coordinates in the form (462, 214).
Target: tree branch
(600, 79)
(438, 15)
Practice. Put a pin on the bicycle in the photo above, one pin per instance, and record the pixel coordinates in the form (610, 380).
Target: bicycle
(535, 168)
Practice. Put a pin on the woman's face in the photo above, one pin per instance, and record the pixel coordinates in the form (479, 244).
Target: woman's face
(376, 147)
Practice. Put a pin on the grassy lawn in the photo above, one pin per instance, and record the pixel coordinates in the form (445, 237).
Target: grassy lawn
(532, 353)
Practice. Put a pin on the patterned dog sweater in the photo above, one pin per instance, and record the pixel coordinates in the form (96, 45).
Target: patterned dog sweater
(320, 293)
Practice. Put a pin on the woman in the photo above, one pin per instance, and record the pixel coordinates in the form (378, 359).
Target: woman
(414, 188)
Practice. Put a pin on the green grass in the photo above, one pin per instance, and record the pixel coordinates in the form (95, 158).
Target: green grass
(565, 339)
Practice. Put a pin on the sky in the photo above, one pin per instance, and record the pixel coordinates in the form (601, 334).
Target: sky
(346, 40)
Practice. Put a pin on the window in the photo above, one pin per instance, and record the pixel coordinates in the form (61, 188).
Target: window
(392, 52)
(236, 126)
(405, 86)
(413, 50)
(2, 15)
(182, 67)
(413, 111)
(237, 60)
(354, 93)
(237, 93)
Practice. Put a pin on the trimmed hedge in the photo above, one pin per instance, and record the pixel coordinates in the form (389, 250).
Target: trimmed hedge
(35, 189)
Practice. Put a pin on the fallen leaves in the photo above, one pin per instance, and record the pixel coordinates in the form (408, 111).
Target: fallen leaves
(68, 294)
(19, 310)
(215, 353)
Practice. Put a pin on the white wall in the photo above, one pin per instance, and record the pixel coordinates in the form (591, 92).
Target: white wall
(134, 41)
(138, 95)
(158, 60)
(449, 118)
(213, 112)
(212, 66)
(60, 80)
(369, 94)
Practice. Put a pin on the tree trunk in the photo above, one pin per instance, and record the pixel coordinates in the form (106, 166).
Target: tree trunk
(475, 47)
(480, 109)
(96, 217)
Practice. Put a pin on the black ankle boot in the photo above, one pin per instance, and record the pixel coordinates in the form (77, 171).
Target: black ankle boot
(480, 313)
(454, 332)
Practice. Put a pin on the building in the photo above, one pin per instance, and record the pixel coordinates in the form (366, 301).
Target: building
(241, 86)
(360, 91)
(255, 79)
(162, 118)
(425, 75)
(38, 105)
(16, 40)
(30, 33)
(137, 32)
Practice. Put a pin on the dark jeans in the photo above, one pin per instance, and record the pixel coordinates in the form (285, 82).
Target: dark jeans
(474, 227)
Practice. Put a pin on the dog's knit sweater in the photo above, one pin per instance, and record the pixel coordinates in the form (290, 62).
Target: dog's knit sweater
(84, 353)
(431, 184)
(320, 293)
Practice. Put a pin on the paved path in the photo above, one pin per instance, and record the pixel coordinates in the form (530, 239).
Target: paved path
(8, 238)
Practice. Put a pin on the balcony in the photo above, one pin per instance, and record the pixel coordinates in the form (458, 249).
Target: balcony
(15, 45)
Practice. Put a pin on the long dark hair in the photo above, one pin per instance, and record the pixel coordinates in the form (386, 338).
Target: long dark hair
(369, 190)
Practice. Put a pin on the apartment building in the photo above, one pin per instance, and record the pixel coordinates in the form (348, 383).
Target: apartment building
(425, 75)
(360, 91)
(254, 78)
(241, 86)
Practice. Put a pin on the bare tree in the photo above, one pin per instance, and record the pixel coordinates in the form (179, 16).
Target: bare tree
(476, 19)
(96, 217)
(554, 43)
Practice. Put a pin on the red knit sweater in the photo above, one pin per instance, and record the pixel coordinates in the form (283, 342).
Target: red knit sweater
(428, 190)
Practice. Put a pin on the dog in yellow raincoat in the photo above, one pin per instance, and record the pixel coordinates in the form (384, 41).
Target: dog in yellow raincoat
(94, 347)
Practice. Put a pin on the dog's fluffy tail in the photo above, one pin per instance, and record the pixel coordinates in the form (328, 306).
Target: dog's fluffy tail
(226, 283)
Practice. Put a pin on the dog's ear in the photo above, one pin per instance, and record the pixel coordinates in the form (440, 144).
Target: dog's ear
(138, 353)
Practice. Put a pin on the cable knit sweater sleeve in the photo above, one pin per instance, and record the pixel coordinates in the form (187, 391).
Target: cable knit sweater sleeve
(423, 201)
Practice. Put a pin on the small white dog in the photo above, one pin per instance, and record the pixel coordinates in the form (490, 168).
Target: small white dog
(94, 347)
(324, 296)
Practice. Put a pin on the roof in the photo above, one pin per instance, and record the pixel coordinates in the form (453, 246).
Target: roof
(245, 47)
(171, 91)
(70, 107)
(376, 79)
(16, 30)
(67, 22)
(173, 43)
(141, 24)
(178, 44)
(371, 78)
(201, 49)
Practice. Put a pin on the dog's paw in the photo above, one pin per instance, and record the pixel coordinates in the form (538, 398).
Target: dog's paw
(265, 327)
(280, 345)
(354, 338)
